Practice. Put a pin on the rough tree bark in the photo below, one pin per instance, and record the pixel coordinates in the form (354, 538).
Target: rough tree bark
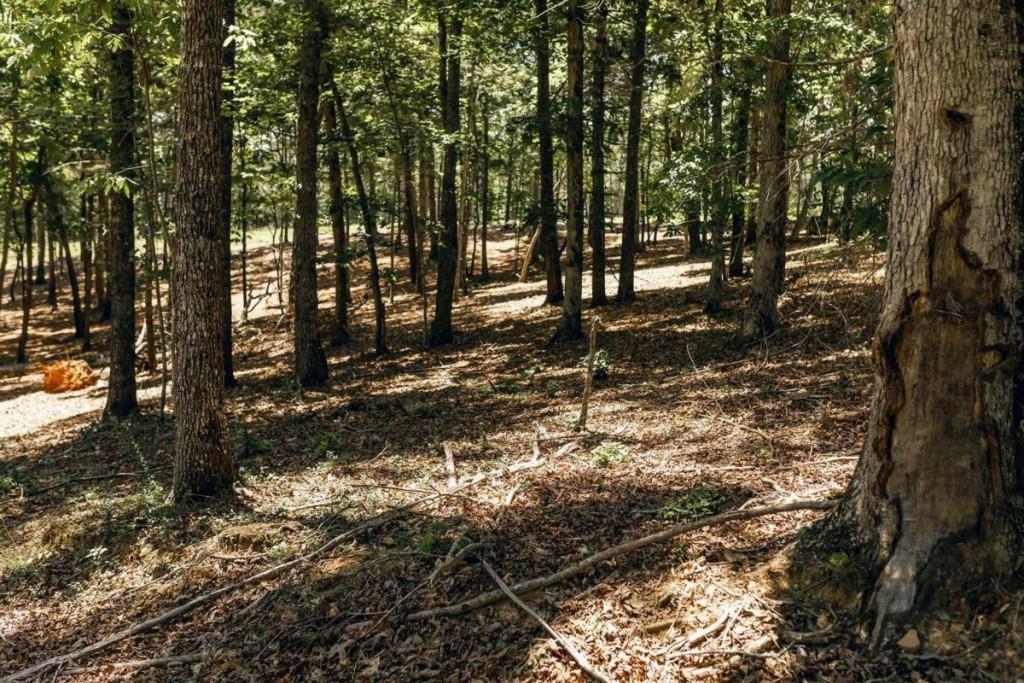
(571, 327)
(741, 140)
(485, 187)
(936, 501)
(26, 280)
(716, 281)
(548, 245)
(339, 326)
(448, 241)
(761, 317)
(310, 360)
(637, 57)
(121, 397)
(227, 144)
(598, 296)
(202, 460)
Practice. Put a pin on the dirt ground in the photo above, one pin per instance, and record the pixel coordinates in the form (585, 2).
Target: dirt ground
(688, 422)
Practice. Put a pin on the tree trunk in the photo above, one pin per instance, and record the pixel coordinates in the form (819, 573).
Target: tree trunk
(713, 303)
(51, 280)
(86, 252)
(935, 504)
(26, 280)
(12, 183)
(370, 225)
(571, 327)
(121, 397)
(339, 328)
(448, 239)
(741, 140)
(60, 228)
(485, 189)
(227, 136)
(202, 460)
(598, 296)
(310, 361)
(761, 317)
(102, 257)
(637, 57)
(548, 218)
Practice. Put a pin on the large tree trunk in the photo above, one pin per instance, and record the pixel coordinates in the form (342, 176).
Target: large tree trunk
(86, 248)
(761, 317)
(310, 361)
(713, 303)
(339, 327)
(121, 397)
(448, 241)
(12, 186)
(202, 460)
(485, 188)
(936, 500)
(637, 57)
(26, 280)
(227, 136)
(741, 140)
(548, 245)
(598, 296)
(571, 327)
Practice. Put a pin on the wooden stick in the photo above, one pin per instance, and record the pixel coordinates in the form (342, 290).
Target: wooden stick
(580, 658)
(266, 574)
(581, 566)
(137, 664)
(588, 386)
(449, 463)
(528, 256)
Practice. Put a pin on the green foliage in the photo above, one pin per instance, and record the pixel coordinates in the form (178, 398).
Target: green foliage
(602, 363)
(432, 539)
(250, 443)
(700, 502)
(609, 453)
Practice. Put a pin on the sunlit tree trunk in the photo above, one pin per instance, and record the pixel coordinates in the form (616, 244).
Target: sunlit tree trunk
(121, 396)
(741, 141)
(203, 463)
(448, 240)
(369, 225)
(936, 501)
(548, 246)
(310, 360)
(599, 297)
(713, 303)
(339, 327)
(227, 135)
(762, 315)
(637, 57)
(571, 326)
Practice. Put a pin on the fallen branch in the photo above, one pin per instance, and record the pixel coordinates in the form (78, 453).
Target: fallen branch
(449, 464)
(97, 477)
(580, 658)
(587, 563)
(139, 664)
(588, 385)
(269, 573)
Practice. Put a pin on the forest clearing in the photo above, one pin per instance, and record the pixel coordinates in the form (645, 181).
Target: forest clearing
(568, 340)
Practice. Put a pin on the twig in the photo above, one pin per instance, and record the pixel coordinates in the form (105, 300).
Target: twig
(578, 657)
(449, 463)
(588, 386)
(585, 564)
(453, 560)
(97, 477)
(137, 664)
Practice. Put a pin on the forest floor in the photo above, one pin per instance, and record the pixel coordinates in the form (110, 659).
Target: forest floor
(687, 423)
